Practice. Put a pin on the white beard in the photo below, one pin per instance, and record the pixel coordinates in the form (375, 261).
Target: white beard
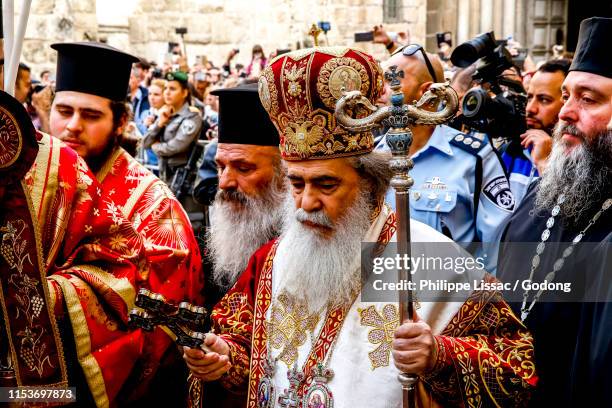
(236, 233)
(318, 270)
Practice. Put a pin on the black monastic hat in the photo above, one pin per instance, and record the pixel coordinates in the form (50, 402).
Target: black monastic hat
(243, 119)
(93, 68)
(592, 52)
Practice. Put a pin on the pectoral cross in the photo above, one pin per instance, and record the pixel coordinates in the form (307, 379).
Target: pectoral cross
(314, 33)
(392, 75)
(290, 398)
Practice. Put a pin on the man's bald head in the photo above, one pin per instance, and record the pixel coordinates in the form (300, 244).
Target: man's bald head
(417, 78)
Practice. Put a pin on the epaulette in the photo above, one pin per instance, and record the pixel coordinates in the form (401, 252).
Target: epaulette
(467, 143)
(193, 109)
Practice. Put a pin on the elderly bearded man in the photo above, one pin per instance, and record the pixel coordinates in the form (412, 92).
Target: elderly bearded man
(89, 114)
(567, 215)
(247, 210)
(294, 316)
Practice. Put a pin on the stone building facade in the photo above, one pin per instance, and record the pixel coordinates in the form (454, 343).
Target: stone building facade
(144, 27)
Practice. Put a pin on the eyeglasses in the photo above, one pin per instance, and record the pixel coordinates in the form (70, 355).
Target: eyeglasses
(409, 50)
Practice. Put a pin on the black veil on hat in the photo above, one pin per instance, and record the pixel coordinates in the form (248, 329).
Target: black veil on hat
(243, 119)
(592, 52)
(93, 68)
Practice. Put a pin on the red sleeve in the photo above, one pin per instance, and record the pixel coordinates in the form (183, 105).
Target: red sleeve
(233, 320)
(485, 356)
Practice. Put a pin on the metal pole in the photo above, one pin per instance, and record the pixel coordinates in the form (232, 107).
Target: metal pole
(399, 139)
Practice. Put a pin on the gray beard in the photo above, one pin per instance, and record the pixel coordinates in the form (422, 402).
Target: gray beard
(583, 175)
(321, 270)
(236, 233)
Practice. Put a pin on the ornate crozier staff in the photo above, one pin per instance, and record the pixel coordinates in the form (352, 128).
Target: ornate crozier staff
(399, 117)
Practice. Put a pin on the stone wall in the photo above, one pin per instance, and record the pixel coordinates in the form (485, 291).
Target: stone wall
(144, 27)
(53, 21)
(215, 26)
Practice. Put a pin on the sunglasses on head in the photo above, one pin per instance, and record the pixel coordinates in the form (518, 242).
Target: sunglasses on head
(409, 50)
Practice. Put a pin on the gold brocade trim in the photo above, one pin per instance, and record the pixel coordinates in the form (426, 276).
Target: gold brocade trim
(137, 194)
(7, 326)
(282, 85)
(108, 165)
(339, 75)
(154, 206)
(42, 162)
(49, 197)
(91, 368)
(267, 91)
(299, 54)
(195, 392)
(10, 152)
(121, 287)
(45, 287)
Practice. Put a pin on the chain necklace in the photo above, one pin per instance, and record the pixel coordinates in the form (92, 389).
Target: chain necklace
(559, 262)
(320, 373)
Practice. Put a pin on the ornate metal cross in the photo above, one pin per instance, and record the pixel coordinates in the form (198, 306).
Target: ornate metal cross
(399, 117)
(393, 76)
(188, 322)
(314, 32)
(290, 398)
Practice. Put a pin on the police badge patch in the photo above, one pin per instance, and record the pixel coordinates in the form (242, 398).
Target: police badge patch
(188, 126)
(498, 191)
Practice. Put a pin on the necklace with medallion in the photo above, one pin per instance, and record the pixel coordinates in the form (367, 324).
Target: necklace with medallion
(559, 262)
(311, 380)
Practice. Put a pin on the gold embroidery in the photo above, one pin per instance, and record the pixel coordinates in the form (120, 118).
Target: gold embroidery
(89, 364)
(303, 137)
(290, 322)
(11, 140)
(29, 302)
(267, 91)
(294, 75)
(108, 165)
(299, 54)
(384, 324)
(264, 93)
(340, 75)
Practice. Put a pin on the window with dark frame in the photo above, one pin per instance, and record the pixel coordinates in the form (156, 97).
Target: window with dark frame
(392, 11)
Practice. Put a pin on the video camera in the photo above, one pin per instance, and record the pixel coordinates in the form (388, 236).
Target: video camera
(500, 115)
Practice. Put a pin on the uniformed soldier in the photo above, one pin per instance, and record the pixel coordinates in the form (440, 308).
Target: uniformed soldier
(177, 127)
(460, 187)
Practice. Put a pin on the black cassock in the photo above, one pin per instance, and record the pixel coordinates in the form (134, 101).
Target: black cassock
(572, 334)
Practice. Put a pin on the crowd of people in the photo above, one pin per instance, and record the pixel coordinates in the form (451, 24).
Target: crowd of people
(291, 196)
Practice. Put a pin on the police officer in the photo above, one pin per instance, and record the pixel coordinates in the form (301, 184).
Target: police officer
(177, 127)
(460, 187)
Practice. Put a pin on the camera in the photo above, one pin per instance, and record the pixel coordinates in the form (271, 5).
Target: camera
(497, 107)
(367, 36)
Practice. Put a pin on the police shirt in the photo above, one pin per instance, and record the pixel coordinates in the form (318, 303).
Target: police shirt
(461, 190)
(176, 137)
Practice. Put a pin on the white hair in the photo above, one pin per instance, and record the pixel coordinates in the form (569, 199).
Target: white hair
(237, 231)
(317, 269)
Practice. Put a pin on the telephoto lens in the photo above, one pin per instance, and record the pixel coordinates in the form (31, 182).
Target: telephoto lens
(467, 53)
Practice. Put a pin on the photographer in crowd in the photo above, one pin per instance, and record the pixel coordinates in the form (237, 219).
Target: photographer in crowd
(177, 127)
(542, 114)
